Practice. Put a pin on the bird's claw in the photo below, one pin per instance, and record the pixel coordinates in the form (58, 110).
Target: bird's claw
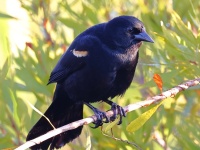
(116, 108)
(100, 116)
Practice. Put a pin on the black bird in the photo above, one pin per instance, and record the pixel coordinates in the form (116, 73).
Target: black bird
(98, 65)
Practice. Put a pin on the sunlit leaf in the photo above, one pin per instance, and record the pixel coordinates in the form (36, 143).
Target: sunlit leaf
(6, 16)
(88, 142)
(39, 112)
(158, 80)
(140, 121)
(110, 125)
(4, 70)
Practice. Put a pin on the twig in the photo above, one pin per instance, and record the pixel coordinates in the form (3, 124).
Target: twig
(118, 139)
(129, 108)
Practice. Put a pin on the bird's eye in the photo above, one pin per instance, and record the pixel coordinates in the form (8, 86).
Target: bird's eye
(133, 30)
(130, 30)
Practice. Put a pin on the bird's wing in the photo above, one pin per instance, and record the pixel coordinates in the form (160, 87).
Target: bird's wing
(73, 59)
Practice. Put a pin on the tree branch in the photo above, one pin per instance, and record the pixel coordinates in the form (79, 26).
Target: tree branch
(170, 93)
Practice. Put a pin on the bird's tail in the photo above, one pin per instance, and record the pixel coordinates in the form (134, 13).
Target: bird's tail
(61, 112)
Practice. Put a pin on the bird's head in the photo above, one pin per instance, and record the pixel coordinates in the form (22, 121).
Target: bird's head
(126, 31)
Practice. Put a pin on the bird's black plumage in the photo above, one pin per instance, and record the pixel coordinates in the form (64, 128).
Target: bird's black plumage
(99, 64)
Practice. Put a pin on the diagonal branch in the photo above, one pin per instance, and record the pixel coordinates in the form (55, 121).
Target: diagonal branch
(170, 93)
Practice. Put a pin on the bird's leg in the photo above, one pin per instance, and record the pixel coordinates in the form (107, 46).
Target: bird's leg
(116, 108)
(99, 114)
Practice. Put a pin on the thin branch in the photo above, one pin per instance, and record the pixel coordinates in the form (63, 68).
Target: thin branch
(170, 93)
(118, 139)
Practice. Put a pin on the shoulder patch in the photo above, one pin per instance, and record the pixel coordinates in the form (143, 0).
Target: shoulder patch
(79, 53)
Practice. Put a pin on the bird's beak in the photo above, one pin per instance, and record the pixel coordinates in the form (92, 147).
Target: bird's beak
(143, 36)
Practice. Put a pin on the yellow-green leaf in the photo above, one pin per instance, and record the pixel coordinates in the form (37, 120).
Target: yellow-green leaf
(140, 121)
(88, 143)
(110, 125)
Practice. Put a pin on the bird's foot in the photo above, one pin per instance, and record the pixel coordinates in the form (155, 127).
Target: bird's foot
(116, 108)
(100, 116)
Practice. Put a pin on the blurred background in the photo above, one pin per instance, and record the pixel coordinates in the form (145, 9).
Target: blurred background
(35, 33)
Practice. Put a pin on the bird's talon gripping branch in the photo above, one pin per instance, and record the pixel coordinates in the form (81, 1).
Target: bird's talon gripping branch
(116, 108)
(100, 116)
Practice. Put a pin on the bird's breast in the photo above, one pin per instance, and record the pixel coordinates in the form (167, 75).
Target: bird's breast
(128, 56)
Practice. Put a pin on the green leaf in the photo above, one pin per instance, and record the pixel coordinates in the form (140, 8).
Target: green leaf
(4, 70)
(6, 16)
(110, 125)
(14, 107)
(140, 121)
(88, 143)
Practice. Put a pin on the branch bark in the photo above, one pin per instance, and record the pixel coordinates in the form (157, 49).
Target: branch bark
(170, 93)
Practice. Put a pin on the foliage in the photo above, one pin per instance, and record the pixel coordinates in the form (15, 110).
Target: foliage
(175, 56)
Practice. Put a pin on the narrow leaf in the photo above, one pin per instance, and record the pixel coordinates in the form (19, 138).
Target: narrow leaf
(5, 69)
(6, 16)
(140, 121)
(158, 80)
(39, 112)
(110, 125)
(88, 143)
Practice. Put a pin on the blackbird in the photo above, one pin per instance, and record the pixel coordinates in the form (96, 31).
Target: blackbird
(98, 65)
